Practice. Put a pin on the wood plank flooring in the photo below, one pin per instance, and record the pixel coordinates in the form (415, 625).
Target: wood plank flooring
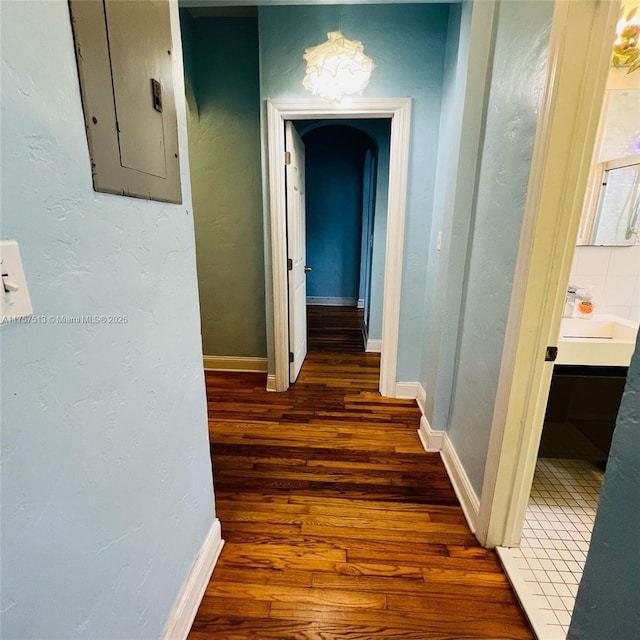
(338, 526)
(335, 328)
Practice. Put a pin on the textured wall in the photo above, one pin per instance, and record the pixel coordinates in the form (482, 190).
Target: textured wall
(607, 601)
(407, 44)
(224, 153)
(518, 76)
(443, 292)
(334, 158)
(106, 478)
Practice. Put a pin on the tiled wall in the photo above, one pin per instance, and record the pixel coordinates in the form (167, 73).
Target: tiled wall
(614, 275)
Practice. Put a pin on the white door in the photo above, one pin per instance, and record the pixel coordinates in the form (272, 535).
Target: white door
(296, 248)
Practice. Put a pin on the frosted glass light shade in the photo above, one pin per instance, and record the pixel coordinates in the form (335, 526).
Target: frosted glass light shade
(626, 49)
(337, 67)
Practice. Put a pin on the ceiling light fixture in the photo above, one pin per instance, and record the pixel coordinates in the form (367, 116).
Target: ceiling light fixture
(625, 48)
(337, 67)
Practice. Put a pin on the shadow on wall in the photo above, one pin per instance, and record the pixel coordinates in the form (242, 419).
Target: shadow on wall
(221, 68)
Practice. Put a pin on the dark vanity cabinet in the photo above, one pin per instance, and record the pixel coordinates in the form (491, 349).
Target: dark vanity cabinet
(581, 412)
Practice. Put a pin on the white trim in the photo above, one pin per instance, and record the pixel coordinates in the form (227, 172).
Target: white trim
(461, 484)
(430, 439)
(234, 363)
(360, 303)
(579, 54)
(192, 591)
(421, 398)
(406, 390)
(373, 345)
(399, 110)
(433, 441)
(528, 599)
(331, 302)
(271, 382)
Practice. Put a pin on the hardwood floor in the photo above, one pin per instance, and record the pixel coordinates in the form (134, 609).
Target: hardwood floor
(334, 328)
(338, 525)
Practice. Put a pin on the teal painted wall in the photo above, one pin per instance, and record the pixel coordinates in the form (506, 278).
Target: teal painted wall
(107, 493)
(518, 76)
(334, 157)
(607, 601)
(407, 43)
(224, 151)
(368, 211)
(379, 130)
(443, 292)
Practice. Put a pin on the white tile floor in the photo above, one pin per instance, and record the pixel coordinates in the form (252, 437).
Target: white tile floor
(547, 567)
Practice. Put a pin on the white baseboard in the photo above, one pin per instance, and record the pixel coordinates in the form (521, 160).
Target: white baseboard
(186, 606)
(331, 302)
(436, 440)
(431, 439)
(421, 399)
(360, 303)
(374, 345)
(271, 382)
(234, 363)
(408, 390)
(461, 484)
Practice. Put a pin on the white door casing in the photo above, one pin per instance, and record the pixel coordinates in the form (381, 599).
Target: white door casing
(296, 247)
(279, 111)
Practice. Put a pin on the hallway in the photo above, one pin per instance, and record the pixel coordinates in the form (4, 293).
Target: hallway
(337, 524)
(336, 329)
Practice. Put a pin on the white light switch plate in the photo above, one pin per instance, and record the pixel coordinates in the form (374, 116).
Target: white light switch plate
(15, 302)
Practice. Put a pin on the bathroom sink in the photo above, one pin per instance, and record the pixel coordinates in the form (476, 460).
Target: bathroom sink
(604, 340)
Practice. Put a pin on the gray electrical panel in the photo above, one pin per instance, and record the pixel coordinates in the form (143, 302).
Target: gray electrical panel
(124, 52)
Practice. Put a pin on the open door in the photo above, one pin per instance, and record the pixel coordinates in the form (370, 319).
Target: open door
(369, 213)
(296, 249)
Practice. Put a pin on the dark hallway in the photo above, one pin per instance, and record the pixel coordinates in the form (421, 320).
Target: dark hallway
(335, 329)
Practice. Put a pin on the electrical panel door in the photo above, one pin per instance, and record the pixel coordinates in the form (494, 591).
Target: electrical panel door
(124, 55)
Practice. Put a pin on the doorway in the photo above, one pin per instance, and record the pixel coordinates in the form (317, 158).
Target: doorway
(398, 111)
(347, 175)
(560, 166)
(595, 345)
(558, 179)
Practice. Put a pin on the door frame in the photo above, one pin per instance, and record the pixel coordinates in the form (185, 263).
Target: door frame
(399, 111)
(582, 34)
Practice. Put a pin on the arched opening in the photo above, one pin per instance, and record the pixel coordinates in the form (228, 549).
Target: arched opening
(342, 176)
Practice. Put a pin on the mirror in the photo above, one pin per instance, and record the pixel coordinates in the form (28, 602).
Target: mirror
(611, 215)
(616, 221)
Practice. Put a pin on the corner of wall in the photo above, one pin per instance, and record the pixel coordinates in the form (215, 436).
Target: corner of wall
(434, 441)
(188, 600)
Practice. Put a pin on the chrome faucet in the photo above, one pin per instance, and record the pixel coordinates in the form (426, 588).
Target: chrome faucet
(570, 301)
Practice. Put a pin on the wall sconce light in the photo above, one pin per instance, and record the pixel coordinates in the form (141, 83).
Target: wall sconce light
(337, 67)
(625, 47)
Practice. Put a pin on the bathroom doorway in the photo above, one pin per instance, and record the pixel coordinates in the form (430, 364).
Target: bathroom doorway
(595, 344)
